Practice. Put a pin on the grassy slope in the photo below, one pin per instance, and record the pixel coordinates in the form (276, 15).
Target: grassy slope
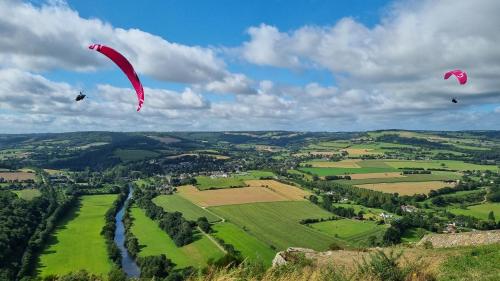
(77, 238)
(480, 211)
(249, 246)
(355, 232)
(277, 223)
(190, 211)
(478, 263)
(154, 241)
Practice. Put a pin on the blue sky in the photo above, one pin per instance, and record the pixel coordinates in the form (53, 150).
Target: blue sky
(250, 65)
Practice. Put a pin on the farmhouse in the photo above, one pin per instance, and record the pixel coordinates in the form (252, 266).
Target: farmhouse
(385, 216)
(408, 208)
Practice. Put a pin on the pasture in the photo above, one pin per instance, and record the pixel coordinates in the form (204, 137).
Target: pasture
(406, 188)
(377, 176)
(250, 247)
(439, 164)
(230, 196)
(346, 171)
(17, 176)
(361, 151)
(205, 182)
(354, 232)
(277, 223)
(479, 211)
(349, 163)
(78, 237)
(134, 154)
(176, 203)
(28, 193)
(154, 241)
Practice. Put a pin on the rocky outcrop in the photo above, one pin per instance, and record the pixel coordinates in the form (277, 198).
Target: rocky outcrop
(290, 254)
(473, 238)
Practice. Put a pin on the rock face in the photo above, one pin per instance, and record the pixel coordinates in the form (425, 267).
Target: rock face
(291, 253)
(473, 238)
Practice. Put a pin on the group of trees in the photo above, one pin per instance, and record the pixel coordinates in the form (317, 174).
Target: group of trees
(131, 242)
(24, 228)
(173, 223)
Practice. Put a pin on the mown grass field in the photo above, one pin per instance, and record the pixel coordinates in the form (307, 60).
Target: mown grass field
(349, 163)
(230, 196)
(173, 203)
(345, 171)
(480, 211)
(134, 154)
(277, 223)
(27, 194)
(354, 232)
(435, 176)
(77, 238)
(406, 188)
(250, 247)
(154, 241)
(19, 176)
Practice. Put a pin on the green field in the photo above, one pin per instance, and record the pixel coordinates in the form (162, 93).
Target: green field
(204, 182)
(343, 171)
(77, 238)
(437, 164)
(480, 211)
(355, 232)
(27, 194)
(277, 223)
(250, 247)
(236, 180)
(154, 241)
(173, 203)
(134, 154)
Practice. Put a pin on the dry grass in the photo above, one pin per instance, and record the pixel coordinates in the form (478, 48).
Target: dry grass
(349, 163)
(360, 151)
(406, 188)
(377, 176)
(20, 176)
(291, 192)
(230, 196)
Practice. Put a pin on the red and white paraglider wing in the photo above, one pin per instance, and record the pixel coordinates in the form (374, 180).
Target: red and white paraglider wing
(125, 66)
(461, 76)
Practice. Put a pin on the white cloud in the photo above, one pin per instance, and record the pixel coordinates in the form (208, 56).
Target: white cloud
(55, 36)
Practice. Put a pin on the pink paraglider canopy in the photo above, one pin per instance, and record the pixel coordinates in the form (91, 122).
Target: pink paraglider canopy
(461, 76)
(125, 66)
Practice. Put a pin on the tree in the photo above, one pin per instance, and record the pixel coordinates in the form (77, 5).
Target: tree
(203, 223)
(116, 274)
(392, 236)
(491, 216)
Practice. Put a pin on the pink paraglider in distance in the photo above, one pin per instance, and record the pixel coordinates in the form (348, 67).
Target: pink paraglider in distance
(461, 75)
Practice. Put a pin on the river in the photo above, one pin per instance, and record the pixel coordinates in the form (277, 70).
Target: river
(128, 264)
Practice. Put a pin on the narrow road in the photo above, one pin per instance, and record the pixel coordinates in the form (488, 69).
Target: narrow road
(208, 211)
(213, 240)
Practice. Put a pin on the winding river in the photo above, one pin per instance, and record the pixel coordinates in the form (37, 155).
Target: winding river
(128, 264)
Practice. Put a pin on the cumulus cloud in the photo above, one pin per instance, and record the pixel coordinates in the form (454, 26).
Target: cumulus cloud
(54, 36)
(386, 76)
